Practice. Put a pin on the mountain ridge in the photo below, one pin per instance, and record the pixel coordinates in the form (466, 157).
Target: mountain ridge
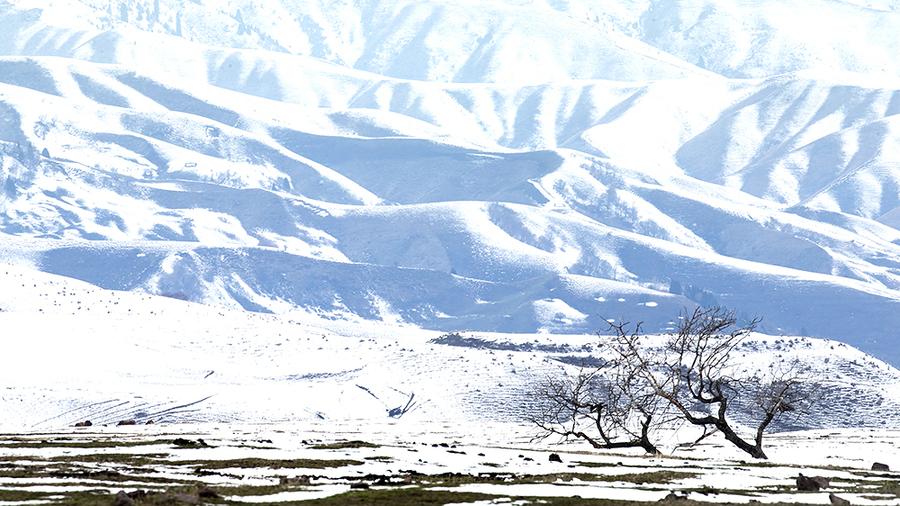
(274, 182)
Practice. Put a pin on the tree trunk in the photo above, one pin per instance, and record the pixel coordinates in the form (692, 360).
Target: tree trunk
(755, 451)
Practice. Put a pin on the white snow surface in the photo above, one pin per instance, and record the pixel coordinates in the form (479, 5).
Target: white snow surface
(75, 352)
(523, 166)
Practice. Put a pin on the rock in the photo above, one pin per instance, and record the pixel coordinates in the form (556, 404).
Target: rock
(204, 492)
(838, 501)
(104, 474)
(359, 486)
(878, 466)
(86, 423)
(138, 495)
(122, 499)
(811, 483)
(554, 457)
(822, 481)
(674, 497)
(127, 422)
(188, 443)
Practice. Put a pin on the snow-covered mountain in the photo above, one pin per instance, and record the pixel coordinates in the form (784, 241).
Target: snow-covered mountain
(517, 166)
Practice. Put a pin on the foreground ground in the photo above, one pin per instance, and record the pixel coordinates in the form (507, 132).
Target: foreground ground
(401, 463)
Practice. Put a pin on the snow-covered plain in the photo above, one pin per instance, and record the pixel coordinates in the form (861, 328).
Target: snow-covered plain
(75, 352)
(425, 463)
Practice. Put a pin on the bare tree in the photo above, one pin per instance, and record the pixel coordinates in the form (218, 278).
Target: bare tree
(602, 406)
(686, 377)
(695, 374)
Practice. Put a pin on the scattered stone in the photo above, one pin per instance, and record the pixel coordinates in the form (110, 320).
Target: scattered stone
(86, 423)
(811, 483)
(674, 497)
(122, 499)
(878, 466)
(187, 443)
(127, 422)
(838, 501)
(104, 474)
(138, 495)
(554, 457)
(205, 492)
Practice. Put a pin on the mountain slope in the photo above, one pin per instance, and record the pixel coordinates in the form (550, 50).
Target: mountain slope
(467, 42)
(494, 40)
(379, 171)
